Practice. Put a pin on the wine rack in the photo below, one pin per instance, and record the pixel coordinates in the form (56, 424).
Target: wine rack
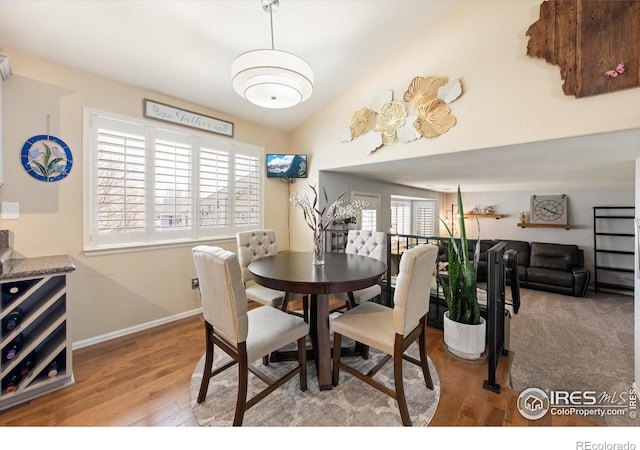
(43, 333)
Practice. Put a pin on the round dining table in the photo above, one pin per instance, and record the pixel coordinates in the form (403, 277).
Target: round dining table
(341, 273)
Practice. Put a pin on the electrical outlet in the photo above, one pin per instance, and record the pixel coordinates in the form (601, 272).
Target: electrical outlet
(195, 283)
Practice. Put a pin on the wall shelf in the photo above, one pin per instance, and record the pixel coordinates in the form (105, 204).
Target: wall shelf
(483, 216)
(545, 225)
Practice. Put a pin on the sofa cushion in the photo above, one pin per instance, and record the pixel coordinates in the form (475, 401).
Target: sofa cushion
(552, 277)
(554, 256)
(522, 249)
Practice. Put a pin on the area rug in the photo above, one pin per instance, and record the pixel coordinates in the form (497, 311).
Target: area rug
(351, 403)
(574, 343)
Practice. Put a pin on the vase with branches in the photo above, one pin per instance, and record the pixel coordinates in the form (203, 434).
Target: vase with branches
(319, 219)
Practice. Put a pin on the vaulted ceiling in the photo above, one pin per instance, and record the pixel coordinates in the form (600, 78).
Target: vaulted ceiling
(185, 49)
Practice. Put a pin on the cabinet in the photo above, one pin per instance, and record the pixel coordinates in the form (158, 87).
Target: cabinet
(39, 297)
(613, 246)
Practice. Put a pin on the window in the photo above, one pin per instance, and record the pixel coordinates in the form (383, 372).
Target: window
(368, 220)
(424, 213)
(147, 184)
(414, 216)
(369, 215)
(401, 216)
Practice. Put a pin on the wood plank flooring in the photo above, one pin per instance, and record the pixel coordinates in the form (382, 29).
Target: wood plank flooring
(143, 380)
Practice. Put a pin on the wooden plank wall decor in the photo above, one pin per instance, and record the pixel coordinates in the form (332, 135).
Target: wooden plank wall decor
(596, 43)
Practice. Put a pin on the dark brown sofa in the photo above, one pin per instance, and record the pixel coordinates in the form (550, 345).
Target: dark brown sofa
(548, 267)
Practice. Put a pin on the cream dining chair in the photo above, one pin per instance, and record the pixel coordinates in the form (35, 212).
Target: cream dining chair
(392, 330)
(366, 243)
(256, 244)
(244, 335)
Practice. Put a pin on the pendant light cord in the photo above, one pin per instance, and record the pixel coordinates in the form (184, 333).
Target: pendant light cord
(271, 18)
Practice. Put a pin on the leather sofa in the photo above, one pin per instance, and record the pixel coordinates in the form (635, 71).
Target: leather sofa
(548, 267)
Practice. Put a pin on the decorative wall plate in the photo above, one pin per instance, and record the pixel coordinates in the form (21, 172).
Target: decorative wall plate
(46, 158)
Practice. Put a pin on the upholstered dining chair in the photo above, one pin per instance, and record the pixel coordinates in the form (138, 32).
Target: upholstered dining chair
(366, 243)
(244, 335)
(256, 244)
(392, 330)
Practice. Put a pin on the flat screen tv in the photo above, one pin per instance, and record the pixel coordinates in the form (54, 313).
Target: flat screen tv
(286, 166)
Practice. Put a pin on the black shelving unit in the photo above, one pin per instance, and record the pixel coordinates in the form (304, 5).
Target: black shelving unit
(613, 245)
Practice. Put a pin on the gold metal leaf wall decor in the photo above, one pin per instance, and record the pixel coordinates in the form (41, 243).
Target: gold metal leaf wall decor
(362, 120)
(434, 119)
(392, 116)
(422, 90)
(385, 119)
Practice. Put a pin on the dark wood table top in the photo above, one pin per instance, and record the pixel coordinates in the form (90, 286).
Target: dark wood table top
(294, 272)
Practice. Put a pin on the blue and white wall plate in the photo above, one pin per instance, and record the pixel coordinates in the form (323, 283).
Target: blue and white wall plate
(46, 158)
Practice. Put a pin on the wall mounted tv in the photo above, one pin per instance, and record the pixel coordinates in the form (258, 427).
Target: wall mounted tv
(286, 166)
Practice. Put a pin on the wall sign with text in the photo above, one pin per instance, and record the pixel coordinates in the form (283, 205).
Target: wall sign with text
(171, 114)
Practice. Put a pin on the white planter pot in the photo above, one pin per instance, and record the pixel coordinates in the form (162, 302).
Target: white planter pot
(465, 341)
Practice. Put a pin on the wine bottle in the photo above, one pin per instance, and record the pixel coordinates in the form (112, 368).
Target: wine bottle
(52, 369)
(12, 320)
(28, 364)
(11, 383)
(14, 347)
(10, 291)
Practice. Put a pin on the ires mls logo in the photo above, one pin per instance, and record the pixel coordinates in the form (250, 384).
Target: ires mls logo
(533, 403)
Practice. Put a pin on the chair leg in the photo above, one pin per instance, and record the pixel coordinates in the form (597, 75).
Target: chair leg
(399, 384)
(337, 343)
(302, 361)
(243, 376)
(305, 308)
(352, 301)
(424, 362)
(208, 363)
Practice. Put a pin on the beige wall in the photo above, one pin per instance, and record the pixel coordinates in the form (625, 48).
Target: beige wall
(508, 97)
(117, 291)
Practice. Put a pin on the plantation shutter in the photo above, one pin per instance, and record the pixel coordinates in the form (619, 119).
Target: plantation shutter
(247, 190)
(119, 177)
(401, 217)
(147, 184)
(214, 188)
(425, 217)
(369, 215)
(173, 182)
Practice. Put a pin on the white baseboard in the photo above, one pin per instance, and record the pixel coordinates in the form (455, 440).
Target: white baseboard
(134, 329)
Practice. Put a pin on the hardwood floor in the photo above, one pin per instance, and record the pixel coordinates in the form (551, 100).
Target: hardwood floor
(143, 380)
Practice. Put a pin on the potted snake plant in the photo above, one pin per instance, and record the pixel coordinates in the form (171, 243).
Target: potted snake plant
(464, 328)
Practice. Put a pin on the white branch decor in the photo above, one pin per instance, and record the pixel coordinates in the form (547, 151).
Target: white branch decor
(320, 219)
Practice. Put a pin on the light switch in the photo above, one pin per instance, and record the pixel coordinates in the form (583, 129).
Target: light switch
(10, 210)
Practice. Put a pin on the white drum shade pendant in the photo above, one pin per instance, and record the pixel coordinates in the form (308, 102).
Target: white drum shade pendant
(272, 78)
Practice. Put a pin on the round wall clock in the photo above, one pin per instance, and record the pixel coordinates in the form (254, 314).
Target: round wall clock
(46, 158)
(549, 209)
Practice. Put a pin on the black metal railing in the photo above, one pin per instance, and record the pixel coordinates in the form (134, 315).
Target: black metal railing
(499, 261)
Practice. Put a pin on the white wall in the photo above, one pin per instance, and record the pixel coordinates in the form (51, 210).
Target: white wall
(581, 203)
(508, 98)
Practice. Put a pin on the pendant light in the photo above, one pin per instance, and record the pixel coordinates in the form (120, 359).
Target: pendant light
(272, 78)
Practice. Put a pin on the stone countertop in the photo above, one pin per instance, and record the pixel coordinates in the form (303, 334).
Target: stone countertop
(37, 266)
